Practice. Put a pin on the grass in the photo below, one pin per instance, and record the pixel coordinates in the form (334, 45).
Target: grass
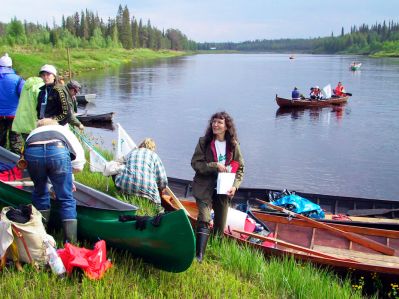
(28, 61)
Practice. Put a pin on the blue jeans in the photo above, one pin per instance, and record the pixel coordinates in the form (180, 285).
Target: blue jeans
(51, 162)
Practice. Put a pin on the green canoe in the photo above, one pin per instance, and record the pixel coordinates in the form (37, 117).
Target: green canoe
(169, 246)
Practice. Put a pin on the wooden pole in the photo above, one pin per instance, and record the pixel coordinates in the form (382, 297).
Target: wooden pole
(290, 245)
(366, 242)
(177, 201)
(69, 64)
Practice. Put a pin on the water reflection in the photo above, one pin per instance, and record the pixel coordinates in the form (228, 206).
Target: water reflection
(315, 114)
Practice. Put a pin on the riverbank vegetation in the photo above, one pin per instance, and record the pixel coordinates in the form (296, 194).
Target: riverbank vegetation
(27, 61)
(377, 40)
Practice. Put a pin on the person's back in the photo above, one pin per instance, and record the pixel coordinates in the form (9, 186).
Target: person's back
(143, 175)
(295, 95)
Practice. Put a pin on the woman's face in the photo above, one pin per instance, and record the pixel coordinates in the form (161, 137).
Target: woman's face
(48, 78)
(219, 127)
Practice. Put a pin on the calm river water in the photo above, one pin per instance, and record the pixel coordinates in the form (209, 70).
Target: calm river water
(351, 151)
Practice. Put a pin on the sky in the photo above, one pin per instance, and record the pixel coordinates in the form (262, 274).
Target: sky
(222, 20)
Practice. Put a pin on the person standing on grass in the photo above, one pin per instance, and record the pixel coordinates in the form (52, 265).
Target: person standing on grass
(73, 88)
(52, 101)
(217, 151)
(53, 153)
(10, 89)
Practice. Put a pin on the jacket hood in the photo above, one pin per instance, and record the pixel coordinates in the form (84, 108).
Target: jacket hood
(33, 83)
(6, 70)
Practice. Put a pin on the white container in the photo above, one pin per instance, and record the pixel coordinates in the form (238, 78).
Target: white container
(54, 260)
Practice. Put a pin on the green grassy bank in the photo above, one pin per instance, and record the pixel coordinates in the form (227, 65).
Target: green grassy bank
(27, 61)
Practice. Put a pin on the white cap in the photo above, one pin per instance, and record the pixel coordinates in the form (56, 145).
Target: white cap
(49, 69)
(317, 87)
(5, 60)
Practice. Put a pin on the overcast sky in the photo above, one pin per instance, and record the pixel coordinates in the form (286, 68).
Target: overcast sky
(221, 20)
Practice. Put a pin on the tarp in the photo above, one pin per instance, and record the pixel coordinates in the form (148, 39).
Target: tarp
(125, 143)
(94, 262)
(300, 205)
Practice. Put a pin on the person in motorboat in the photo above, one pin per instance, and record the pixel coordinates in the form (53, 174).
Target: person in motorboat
(295, 95)
(315, 93)
(339, 90)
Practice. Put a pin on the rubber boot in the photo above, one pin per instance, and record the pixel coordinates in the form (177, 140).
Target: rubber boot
(45, 217)
(202, 240)
(70, 227)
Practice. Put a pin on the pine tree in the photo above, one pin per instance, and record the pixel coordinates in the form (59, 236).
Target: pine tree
(126, 34)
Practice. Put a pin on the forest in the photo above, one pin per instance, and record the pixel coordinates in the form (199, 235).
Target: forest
(363, 39)
(87, 30)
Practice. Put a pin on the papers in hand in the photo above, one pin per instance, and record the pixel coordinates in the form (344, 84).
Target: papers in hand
(224, 182)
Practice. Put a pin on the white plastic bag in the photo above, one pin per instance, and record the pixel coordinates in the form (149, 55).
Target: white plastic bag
(224, 182)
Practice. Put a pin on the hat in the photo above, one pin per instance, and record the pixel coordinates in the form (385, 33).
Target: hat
(74, 84)
(48, 68)
(317, 87)
(6, 61)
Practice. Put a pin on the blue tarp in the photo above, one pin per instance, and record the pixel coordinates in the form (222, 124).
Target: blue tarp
(300, 205)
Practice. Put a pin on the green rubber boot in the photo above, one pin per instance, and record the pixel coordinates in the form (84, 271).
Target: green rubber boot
(70, 227)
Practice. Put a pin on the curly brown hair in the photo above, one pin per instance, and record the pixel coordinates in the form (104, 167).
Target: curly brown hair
(231, 133)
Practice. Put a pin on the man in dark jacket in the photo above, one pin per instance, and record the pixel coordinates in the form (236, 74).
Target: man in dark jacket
(10, 89)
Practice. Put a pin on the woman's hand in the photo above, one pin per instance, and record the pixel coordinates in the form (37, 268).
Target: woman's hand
(231, 192)
(222, 168)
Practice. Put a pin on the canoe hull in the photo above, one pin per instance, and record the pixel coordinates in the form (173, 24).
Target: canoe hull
(170, 246)
(84, 99)
(307, 103)
(305, 234)
(332, 204)
(95, 118)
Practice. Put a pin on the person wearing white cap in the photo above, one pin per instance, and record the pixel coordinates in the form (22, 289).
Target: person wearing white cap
(315, 93)
(10, 89)
(52, 101)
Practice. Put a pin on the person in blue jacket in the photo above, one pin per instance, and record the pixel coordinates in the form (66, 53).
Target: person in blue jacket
(295, 95)
(10, 89)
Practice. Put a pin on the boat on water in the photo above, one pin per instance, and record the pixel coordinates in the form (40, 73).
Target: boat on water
(305, 103)
(381, 213)
(308, 242)
(169, 246)
(354, 66)
(85, 118)
(84, 99)
(292, 57)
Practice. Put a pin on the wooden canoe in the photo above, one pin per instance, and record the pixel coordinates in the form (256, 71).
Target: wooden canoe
(305, 103)
(95, 118)
(169, 246)
(83, 99)
(343, 253)
(331, 204)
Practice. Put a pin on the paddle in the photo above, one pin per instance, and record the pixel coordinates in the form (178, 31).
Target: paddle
(366, 242)
(177, 201)
(290, 245)
(370, 212)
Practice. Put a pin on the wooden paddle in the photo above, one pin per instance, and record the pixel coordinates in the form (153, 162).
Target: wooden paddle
(370, 212)
(290, 245)
(366, 242)
(177, 201)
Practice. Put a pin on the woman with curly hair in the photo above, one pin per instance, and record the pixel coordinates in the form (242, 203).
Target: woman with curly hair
(217, 151)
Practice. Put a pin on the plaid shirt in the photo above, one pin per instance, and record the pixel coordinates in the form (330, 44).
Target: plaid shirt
(143, 175)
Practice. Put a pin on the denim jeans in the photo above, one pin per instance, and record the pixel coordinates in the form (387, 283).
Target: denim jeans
(51, 162)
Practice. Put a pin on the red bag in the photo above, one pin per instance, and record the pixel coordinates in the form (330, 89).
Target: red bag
(94, 262)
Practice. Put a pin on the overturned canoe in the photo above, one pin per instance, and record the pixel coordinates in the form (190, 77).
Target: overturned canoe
(95, 118)
(83, 99)
(168, 246)
(319, 246)
(305, 103)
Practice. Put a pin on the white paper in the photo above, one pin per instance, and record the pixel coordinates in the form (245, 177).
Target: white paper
(224, 182)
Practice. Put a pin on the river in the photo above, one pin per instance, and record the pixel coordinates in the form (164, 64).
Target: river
(351, 151)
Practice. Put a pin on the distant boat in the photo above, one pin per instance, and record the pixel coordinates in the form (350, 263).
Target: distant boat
(306, 103)
(355, 66)
(292, 57)
(99, 118)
